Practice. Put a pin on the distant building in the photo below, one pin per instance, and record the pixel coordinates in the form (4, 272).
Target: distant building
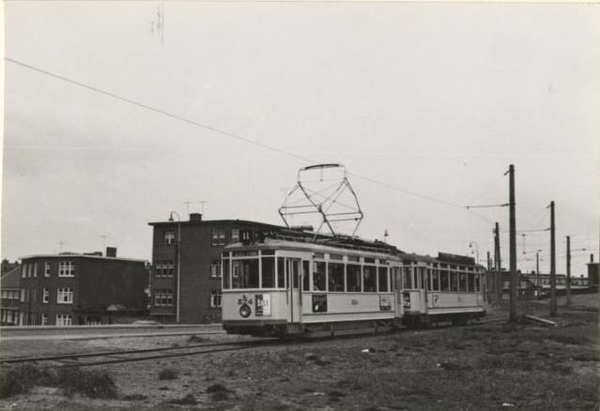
(10, 293)
(195, 246)
(6, 266)
(536, 285)
(82, 289)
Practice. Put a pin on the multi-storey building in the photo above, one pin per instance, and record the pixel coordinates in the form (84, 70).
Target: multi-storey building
(82, 289)
(9, 305)
(191, 252)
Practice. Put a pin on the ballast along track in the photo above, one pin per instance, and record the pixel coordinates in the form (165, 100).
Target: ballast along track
(123, 356)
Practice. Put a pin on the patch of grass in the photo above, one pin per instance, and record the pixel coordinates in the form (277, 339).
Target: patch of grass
(335, 395)
(167, 374)
(189, 399)
(91, 383)
(220, 396)
(569, 339)
(134, 397)
(196, 339)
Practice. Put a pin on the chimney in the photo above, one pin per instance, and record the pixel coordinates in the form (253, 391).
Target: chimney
(591, 258)
(195, 217)
(111, 252)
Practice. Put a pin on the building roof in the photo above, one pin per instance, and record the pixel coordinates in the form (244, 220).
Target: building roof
(11, 279)
(75, 255)
(216, 222)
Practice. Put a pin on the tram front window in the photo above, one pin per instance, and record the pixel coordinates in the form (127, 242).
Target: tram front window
(245, 273)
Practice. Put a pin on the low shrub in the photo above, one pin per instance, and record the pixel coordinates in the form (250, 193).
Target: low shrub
(189, 399)
(91, 383)
(20, 379)
(167, 374)
(218, 392)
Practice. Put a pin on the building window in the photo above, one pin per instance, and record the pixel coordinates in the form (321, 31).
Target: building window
(66, 269)
(64, 296)
(23, 295)
(215, 298)
(64, 319)
(163, 298)
(47, 269)
(44, 319)
(46, 295)
(169, 237)
(24, 271)
(35, 269)
(215, 268)
(164, 268)
(218, 237)
(235, 235)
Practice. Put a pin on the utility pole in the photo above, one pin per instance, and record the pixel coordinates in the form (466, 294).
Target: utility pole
(513, 245)
(498, 265)
(568, 270)
(552, 262)
(537, 272)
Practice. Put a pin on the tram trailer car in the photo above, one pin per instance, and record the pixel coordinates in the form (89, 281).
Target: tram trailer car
(282, 286)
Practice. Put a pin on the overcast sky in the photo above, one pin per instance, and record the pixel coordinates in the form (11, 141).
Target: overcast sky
(425, 104)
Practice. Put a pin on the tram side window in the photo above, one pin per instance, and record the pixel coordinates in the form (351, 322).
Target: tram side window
(444, 281)
(407, 278)
(477, 283)
(462, 282)
(319, 276)
(245, 273)
(453, 281)
(470, 282)
(280, 273)
(226, 273)
(353, 271)
(435, 279)
(268, 272)
(369, 278)
(305, 276)
(383, 280)
(336, 277)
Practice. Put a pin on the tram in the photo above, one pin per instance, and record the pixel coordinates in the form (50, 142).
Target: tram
(301, 284)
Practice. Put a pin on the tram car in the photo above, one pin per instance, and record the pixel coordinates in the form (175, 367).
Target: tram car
(282, 285)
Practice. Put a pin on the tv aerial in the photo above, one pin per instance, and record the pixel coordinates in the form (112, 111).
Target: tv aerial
(323, 192)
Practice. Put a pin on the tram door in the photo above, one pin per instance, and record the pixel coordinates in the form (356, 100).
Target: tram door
(294, 285)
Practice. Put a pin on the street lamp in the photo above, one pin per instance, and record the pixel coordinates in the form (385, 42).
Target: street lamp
(473, 243)
(178, 307)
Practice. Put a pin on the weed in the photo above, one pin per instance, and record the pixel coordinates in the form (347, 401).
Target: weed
(189, 399)
(220, 396)
(167, 374)
(335, 395)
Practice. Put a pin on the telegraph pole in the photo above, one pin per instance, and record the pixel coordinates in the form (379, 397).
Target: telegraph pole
(513, 245)
(552, 262)
(568, 270)
(498, 265)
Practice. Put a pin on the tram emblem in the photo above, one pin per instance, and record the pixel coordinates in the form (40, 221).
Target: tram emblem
(245, 309)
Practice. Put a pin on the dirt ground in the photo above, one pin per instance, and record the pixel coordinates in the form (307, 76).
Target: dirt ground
(492, 366)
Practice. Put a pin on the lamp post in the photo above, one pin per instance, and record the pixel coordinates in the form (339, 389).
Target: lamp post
(473, 243)
(178, 306)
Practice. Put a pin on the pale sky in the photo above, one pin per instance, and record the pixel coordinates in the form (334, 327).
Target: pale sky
(426, 98)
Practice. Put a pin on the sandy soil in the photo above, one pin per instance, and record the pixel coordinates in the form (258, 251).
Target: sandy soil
(524, 366)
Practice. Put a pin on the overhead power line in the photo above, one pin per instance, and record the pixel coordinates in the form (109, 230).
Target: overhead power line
(225, 132)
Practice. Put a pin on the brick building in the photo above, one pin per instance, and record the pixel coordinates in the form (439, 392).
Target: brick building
(82, 289)
(197, 245)
(10, 292)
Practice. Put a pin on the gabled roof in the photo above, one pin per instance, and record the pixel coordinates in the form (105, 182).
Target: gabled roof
(11, 279)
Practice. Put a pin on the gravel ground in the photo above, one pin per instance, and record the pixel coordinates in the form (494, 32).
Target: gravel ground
(524, 366)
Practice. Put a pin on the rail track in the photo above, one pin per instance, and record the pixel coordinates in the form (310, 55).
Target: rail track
(123, 356)
(147, 354)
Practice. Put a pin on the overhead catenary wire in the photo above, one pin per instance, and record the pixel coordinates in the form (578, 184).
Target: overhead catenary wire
(224, 132)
